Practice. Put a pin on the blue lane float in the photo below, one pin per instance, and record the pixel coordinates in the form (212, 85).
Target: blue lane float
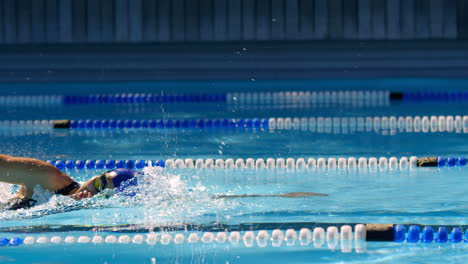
(457, 235)
(143, 98)
(239, 123)
(442, 235)
(16, 241)
(413, 234)
(399, 233)
(4, 241)
(428, 235)
(434, 96)
(104, 164)
(440, 162)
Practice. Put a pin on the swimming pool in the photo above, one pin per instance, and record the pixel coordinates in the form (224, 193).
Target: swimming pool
(353, 140)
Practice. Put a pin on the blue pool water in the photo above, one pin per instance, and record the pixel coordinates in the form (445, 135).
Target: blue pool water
(176, 202)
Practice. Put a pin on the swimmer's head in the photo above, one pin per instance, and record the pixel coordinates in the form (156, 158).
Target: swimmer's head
(108, 183)
(118, 179)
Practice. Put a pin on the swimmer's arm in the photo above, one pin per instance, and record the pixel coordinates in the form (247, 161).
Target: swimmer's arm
(29, 173)
(287, 195)
(82, 195)
(16, 170)
(87, 190)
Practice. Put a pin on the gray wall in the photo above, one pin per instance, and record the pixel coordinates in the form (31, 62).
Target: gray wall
(249, 61)
(126, 21)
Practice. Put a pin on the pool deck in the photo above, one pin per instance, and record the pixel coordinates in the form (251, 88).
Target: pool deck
(235, 61)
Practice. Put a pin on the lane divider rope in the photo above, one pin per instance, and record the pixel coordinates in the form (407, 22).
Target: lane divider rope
(305, 98)
(332, 236)
(396, 124)
(123, 98)
(401, 124)
(350, 163)
(298, 97)
(168, 123)
(349, 97)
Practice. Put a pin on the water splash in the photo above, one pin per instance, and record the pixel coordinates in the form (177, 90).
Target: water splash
(163, 197)
(5, 192)
(41, 195)
(160, 198)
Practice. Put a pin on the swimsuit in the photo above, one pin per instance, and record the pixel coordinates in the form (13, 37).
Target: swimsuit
(67, 189)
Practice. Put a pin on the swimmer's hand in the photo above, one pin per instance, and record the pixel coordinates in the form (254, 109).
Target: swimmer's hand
(16, 203)
(82, 195)
(287, 195)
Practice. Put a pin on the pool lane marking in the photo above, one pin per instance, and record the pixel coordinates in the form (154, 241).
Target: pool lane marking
(387, 125)
(382, 230)
(319, 124)
(331, 163)
(317, 236)
(292, 97)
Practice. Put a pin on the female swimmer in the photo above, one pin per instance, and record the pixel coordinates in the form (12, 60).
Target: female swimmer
(28, 173)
